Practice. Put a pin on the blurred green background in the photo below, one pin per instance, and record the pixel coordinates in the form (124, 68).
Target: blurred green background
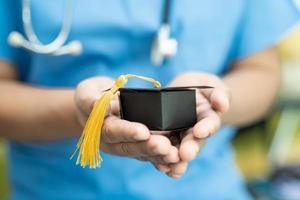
(252, 144)
(3, 172)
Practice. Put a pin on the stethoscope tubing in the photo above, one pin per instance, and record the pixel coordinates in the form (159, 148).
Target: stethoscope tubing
(163, 45)
(33, 40)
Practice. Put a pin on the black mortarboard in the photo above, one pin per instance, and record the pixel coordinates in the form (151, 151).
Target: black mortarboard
(163, 109)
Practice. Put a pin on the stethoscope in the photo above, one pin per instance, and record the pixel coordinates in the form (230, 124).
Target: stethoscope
(163, 46)
(32, 43)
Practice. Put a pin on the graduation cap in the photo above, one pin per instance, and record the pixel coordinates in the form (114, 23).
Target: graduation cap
(172, 108)
(160, 109)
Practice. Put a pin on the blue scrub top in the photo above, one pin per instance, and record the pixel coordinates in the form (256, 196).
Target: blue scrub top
(116, 37)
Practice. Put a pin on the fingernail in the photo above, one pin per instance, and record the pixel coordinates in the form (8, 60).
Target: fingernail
(202, 133)
(205, 134)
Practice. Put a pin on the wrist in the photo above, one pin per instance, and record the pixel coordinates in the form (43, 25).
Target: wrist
(63, 110)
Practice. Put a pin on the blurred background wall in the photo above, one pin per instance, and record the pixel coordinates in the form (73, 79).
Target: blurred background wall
(254, 144)
(4, 190)
(268, 153)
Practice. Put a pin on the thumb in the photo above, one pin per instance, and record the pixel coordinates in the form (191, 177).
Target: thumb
(219, 98)
(89, 91)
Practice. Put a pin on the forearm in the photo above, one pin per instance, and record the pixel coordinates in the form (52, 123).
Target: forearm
(34, 114)
(253, 87)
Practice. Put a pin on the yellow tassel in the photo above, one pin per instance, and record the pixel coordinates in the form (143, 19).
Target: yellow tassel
(89, 142)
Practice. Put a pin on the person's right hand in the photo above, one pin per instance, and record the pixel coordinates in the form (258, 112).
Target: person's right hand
(121, 137)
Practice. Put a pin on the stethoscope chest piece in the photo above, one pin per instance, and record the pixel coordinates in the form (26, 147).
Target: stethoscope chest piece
(163, 46)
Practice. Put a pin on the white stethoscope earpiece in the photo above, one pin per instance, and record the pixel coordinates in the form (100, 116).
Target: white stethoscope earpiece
(163, 46)
(15, 39)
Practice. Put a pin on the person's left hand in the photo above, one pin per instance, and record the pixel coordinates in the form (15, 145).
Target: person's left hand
(210, 104)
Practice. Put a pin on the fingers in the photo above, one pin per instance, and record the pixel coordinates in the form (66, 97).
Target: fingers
(171, 157)
(188, 150)
(162, 168)
(116, 130)
(220, 100)
(174, 170)
(210, 103)
(161, 163)
(190, 146)
(156, 145)
(178, 169)
(208, 125)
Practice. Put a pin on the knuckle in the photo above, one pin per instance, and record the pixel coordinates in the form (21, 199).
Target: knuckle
(106, 132)
(106, 138)
(125, 149)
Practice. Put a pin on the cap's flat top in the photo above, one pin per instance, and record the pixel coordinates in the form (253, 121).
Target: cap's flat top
(166, 88)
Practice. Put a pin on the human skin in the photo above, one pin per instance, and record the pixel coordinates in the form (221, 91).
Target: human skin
(30, 113)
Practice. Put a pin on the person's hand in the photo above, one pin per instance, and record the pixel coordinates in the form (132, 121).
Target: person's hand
(211, 103)
(121, 137)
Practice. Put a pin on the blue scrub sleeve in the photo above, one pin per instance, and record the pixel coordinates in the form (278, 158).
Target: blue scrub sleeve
(264, 23)
(10, 13)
